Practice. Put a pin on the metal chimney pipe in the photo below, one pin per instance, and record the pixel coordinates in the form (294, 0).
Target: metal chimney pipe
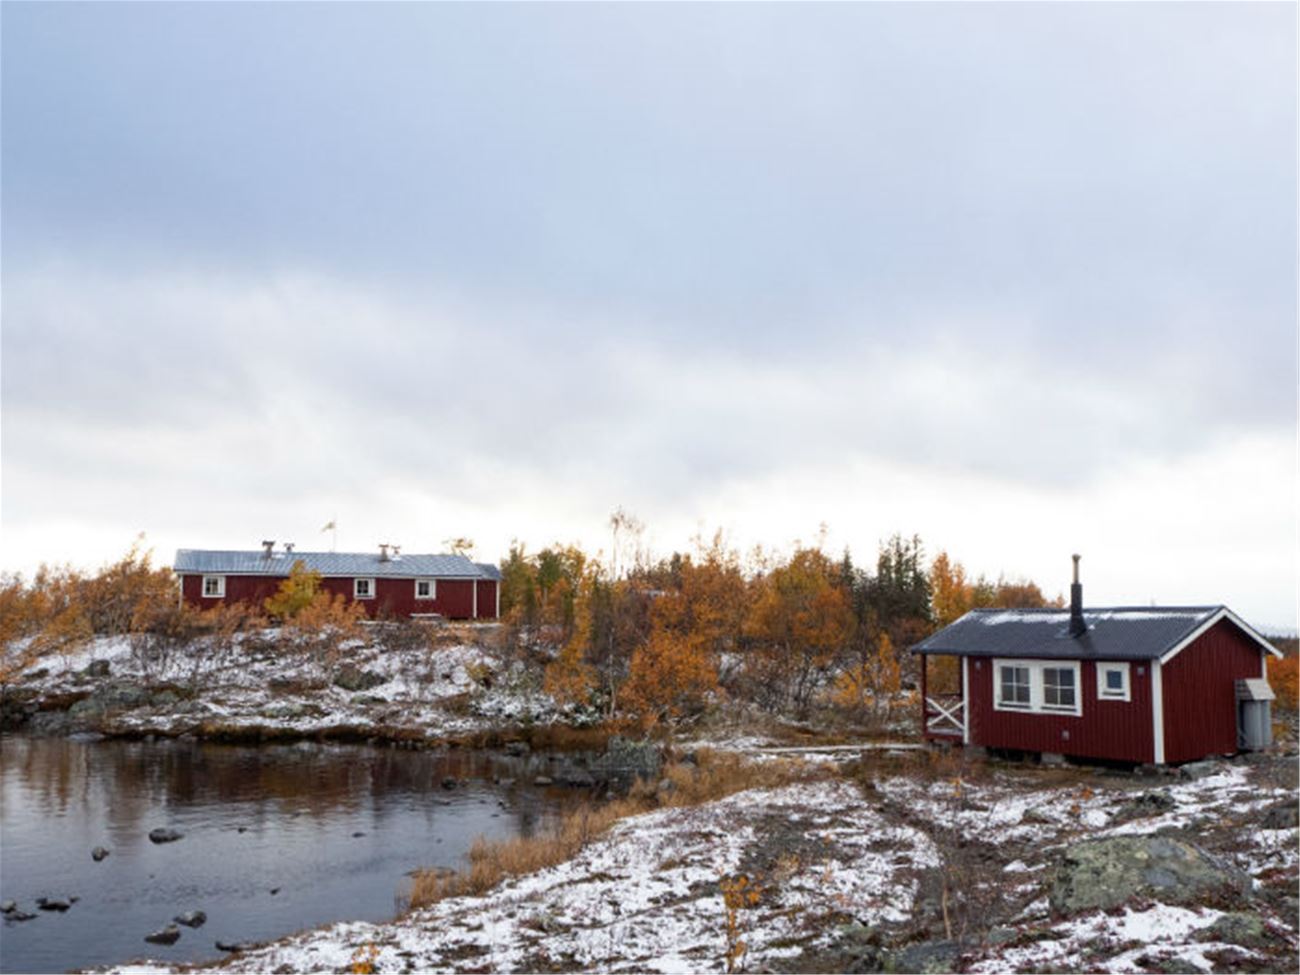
(383, 551)
(1077, 626)
(268, 548)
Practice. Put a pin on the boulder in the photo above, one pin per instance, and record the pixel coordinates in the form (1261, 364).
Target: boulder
(97, 668)
(627, 759)
(1144, 806)
(449, 783)
(355, 679)
(1200, 770)
(8, 907)
(578, 778)
(925, 958)
(1238, 928)
(191, 919)
(52, 904)
(235, 945)
(20, 916)
(167, 936)
(98, 853)
(1284, 815)
(1104, 874)
(164, 834)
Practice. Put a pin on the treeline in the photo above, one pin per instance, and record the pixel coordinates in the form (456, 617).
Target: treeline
(660, 639)
(657, 640)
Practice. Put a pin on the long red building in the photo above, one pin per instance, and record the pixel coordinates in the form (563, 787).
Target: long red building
(386, 583)
(1129, 684)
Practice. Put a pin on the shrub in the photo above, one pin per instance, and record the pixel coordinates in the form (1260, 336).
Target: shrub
(1282, 676)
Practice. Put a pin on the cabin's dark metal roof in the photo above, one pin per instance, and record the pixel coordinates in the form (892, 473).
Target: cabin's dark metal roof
(1116, 633)
(488, 570)
(329, 564)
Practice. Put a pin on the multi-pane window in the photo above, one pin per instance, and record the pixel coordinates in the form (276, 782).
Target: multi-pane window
(1013, 686)
(1058, 688)
(214, 587)
(363, 588)
(424, 589)
(1037, 685)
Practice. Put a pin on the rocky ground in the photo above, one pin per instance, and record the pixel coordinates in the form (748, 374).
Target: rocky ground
(907, 865)
(260, 688)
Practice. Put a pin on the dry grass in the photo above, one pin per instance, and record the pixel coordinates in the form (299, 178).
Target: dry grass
(716, 776)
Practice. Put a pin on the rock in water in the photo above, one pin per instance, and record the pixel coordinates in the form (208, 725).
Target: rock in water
(191, 919)
(8, 907)
(234, 945)
(52, 904)
(98, 853)
(1104, 874)
(164, 834)
(167, 936)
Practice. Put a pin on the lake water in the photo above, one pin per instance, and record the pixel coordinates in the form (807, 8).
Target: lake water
(270, 843)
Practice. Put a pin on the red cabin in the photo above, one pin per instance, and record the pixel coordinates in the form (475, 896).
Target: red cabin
(1129, 684)
(388, 583)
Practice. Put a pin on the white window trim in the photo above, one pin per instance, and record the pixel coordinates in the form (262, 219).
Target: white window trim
(221, 588)
(1106, 694)
(1036, 668)
(433, 588)
(356, 588)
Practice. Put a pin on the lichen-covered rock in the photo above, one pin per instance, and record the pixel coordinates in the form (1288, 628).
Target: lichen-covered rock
(1238, 928)
(1103, 874)
(355, 679)
(1284, 815)
(925, 958)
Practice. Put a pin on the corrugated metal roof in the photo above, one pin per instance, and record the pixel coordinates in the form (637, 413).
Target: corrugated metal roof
(327, 564)
(489, 570)
(1116, 633)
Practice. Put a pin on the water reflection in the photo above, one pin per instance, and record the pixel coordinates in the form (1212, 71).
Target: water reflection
(334, 828)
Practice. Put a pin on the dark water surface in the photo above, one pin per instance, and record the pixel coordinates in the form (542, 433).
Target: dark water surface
(298, 807)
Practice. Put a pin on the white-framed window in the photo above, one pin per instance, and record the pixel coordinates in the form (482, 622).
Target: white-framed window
(214, 587)
(1013, 686)
(1112, 682)
(426, 589)
(1048, 686)
(363, 588)
(1060, 688)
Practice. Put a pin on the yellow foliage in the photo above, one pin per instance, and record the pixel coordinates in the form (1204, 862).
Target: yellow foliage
(296, 593)
(671, 675)
(1282, 677)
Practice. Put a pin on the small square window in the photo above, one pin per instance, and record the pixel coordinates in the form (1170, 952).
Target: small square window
(1112, 682)
(363, 588)
(425, 589)
(214, 587)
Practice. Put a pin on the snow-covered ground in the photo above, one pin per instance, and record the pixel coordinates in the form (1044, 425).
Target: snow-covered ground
(258, 684)
(832, 857)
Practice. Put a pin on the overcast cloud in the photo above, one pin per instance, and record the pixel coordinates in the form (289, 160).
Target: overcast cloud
(1020, 278)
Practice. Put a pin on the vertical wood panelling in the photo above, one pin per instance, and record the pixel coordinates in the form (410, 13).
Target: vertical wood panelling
(1115, 730)
(393, 597)
(1200, 693)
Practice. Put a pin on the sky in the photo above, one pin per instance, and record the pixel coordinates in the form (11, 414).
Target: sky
(1020, 279)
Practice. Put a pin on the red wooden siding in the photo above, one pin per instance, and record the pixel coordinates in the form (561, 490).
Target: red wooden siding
(1115, 730)
(1200, 697)
(487, 599)
(393, 597)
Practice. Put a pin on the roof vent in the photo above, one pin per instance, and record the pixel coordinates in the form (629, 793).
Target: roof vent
(383, 552)
(1077, 626)
(397, 552)
(288, 548)
(268, 548)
